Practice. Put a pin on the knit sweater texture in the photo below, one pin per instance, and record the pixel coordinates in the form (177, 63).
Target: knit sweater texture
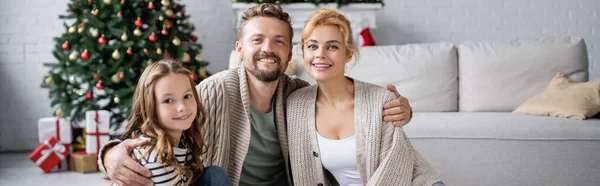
(384, 153)
(226, 99)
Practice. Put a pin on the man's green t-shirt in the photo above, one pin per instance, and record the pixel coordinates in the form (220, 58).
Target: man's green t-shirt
(264, 164)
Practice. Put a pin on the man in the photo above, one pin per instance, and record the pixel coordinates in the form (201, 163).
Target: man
(245, 131)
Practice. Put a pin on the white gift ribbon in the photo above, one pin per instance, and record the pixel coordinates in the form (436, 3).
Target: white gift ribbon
(58, 149)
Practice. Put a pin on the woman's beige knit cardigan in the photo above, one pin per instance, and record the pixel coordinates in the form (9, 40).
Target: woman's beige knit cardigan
(384, 154)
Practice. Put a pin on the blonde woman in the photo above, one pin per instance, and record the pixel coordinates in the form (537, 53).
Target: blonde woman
(336, 134)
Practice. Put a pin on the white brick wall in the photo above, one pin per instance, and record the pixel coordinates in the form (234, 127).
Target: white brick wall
(418, 21)
(28, 27)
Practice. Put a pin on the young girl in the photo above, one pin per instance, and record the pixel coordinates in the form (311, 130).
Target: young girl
(336, 134)
(167, 111)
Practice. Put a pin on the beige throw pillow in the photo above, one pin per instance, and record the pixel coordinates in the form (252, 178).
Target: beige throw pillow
(564, 98)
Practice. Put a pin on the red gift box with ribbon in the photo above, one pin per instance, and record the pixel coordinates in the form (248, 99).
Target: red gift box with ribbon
(61, 129)
(49, 154)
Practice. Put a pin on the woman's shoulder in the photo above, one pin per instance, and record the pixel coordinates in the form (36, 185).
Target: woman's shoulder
(303, 93)
(373, 91)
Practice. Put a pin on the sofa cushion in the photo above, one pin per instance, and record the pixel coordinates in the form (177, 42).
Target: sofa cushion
(426, 74)
(499, 125)
(563, 98)
(500, 75)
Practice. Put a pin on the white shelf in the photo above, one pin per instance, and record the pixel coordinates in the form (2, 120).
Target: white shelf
(360, 15)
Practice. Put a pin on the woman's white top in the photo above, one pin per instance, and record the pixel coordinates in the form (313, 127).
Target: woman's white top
(339, 158)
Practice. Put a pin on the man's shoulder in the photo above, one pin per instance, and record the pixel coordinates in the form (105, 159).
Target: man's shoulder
(218, 78)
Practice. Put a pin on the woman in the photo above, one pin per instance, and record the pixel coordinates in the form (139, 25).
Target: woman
(336, 136)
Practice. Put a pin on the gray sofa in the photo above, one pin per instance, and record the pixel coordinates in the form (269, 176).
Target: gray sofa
(463, 95)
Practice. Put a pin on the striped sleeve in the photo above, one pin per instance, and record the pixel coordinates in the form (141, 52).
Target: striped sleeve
(161, 174)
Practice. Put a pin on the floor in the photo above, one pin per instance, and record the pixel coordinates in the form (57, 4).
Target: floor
(17, 169)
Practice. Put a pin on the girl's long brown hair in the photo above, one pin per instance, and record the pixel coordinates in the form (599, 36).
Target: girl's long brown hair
(145, 119)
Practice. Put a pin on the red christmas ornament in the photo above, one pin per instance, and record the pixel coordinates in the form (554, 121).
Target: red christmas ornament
(194, 77)
(120, 15)
(165, 32)
(121, 75)
(194, 38)
(129, 52)
(167, 55)
(151, 6)
(138, 22)
(96, 77)
(99, 85)
(102, 40)
(169, 24)
(174, 15)
(66, 46)
(122, 2)
(89, 96)
(85, 55)
(146, 52)
(153, 37)
(95, 12)
(89, 1)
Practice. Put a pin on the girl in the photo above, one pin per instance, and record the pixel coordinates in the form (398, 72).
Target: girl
(167, 112)
(335, 133)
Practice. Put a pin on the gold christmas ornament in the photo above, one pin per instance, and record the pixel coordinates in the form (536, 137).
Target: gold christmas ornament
(202, 72)
(124, 37)
(73, 56)
(198, 57)
(186, 57)
(137, 32)
(72, 29)
(107, 2)
(78, 92)
(178, 21)
(149, 62)
(115, 78)
(95, 33)
(169, 13)
(59, 112)
(161, 18)
(158, 51)
(49, 81)
(176, 41)
(165, 2)
(80, 29)
(117, 100)
(116, 54)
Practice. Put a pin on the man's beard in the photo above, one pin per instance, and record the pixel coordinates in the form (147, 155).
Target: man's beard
(265, 76)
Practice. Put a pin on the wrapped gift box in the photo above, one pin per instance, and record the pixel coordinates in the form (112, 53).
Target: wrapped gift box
(78, 142)
(97, 127)
(84, 163)
(60, 128)
(49, 154)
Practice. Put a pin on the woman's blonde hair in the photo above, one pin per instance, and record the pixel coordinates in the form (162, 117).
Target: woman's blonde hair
(144, 120)
(333, 17)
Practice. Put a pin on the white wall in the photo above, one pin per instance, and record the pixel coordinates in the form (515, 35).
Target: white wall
(28, 27)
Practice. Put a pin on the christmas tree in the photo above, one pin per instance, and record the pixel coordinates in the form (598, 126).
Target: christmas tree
(106, 46)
